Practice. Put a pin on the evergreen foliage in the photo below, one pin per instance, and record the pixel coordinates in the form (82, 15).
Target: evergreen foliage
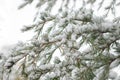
(88, 44)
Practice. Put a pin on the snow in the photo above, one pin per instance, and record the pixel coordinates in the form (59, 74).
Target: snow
(70, 44)
(75, 72)
(30, 68)
(113, 75)
(73, 36)
(46, 66)
(115, 63)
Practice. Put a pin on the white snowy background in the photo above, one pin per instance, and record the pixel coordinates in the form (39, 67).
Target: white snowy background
(12, 20)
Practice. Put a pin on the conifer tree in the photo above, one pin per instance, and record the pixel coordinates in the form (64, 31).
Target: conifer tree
(88, 44)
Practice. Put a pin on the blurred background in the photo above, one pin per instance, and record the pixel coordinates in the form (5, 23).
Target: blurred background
(11, 22)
